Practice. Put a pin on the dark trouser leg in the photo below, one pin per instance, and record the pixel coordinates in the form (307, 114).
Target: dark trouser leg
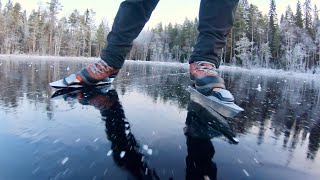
(215, 22)
(128, 23)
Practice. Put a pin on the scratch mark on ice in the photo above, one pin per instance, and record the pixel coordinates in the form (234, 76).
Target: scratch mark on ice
(245, 172)
(64, 160)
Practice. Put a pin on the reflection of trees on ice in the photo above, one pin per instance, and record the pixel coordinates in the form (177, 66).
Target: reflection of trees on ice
(286, 108)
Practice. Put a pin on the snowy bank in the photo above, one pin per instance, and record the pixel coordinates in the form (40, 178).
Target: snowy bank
(271, 72)
(257, 71)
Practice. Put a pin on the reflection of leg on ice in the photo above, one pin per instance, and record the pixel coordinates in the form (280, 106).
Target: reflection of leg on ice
(199, 160)
(126, 150)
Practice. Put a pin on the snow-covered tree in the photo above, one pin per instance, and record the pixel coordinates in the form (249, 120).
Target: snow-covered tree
(298, 55)
(243, 47)
(266, 55)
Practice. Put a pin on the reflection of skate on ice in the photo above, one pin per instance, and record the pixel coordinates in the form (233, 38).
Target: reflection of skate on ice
(202, 122)
(72, 82)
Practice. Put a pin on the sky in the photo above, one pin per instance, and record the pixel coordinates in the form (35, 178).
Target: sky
(166, 11)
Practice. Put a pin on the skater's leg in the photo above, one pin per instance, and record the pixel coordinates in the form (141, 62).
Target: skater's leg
(215, 22)
(129, 22)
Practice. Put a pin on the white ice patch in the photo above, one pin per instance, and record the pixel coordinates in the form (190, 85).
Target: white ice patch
(64, 160)
(96, 139)
(149, 151)
(77, 140)
(259, 88)
(145, 147)
(109, 153)
(122, 154)
(127, 132)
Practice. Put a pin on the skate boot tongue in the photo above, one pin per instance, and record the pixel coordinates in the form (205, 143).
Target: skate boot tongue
(222, 94)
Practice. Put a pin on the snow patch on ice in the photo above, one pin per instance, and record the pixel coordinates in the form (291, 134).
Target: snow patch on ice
(127, 132)
(122, 154)
(259, 88)
(145, 147)
(109, 153)
(149, 151)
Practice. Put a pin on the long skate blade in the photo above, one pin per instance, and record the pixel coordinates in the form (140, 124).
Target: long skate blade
(226, 109)
(60, 84)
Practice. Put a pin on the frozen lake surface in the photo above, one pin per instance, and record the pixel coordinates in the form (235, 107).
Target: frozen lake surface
(147, 127)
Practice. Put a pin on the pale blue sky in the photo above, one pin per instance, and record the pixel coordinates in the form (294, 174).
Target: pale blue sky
(167, 10)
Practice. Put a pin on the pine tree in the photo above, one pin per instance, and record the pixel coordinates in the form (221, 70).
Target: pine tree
(299, 19)
(54, 8)
(2, 28)
(254, 15)
(274, 39)
(14, 28)
(288, 36)
(25, 32)
(241, 19)
(317, 41)
(33, 23)
(307, 16)
(101, 35)
(74, 42)
(316, 20)
(60, 35)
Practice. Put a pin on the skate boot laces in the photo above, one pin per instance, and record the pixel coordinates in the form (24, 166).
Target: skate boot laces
(207, 67)
(99, 68)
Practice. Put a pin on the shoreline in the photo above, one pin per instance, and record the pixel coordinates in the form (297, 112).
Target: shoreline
(260, 71)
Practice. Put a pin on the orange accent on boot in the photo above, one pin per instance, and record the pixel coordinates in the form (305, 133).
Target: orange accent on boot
(216, 88)
(79, 78)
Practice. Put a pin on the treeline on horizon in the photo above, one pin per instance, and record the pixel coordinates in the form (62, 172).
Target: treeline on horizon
(256, 40)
